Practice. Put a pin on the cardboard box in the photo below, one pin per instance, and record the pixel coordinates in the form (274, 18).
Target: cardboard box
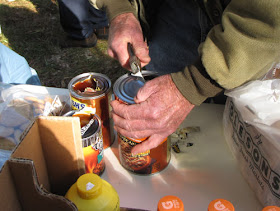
(43, 166)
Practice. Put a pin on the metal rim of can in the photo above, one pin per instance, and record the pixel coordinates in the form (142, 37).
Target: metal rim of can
(97, 122)
(125, 88)
(94, 135)
(103, 79)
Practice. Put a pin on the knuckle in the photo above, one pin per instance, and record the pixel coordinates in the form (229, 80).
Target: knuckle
(158, 124)
(126, 115)
(155, 115)
(162, 122)
(127, 127)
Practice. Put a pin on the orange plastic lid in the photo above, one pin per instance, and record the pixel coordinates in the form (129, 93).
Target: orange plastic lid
(271, 208)
(170, 203)
(220, 204)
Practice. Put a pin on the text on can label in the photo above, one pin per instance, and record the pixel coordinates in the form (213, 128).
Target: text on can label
(77, 105)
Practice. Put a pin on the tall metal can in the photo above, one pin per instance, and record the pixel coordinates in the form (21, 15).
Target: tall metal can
(92, 140)
(151, 161)
(94, 90)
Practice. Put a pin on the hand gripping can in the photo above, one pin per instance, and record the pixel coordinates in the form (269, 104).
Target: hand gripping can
(92, 140)
(151, 161)
(94, 90)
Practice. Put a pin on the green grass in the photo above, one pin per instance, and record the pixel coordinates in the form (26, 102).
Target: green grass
(32, 29)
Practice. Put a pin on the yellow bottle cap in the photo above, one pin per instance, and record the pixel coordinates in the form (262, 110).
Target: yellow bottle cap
(89, 185)
(271, 208)
(220, 204)
(170, 203)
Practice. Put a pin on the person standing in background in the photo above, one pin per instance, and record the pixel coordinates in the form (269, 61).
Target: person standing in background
(82, 22)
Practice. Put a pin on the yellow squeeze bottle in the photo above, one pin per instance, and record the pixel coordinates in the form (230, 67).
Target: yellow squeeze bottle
(90, 192)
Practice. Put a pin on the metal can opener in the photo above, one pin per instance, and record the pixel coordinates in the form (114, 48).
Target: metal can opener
(135, 63)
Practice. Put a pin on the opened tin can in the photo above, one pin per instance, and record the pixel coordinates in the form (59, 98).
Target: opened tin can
(94, 90)
(92, 140)
(151, 161)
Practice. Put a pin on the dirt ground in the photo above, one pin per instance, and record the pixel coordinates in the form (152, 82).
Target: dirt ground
(32, 29)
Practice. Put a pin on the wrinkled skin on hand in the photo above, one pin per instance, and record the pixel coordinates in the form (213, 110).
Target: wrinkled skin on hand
(159, 110)
(123, 29)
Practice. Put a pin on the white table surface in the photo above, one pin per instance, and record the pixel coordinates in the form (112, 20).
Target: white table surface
(198, 175)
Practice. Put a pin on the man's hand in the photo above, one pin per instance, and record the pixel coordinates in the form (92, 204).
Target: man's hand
(159, 110)
(123, 29)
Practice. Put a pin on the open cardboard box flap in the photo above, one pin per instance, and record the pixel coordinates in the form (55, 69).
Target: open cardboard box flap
(43, 166)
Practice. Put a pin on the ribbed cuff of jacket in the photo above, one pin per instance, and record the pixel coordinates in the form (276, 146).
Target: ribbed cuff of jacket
(114, 8)
(195, 84)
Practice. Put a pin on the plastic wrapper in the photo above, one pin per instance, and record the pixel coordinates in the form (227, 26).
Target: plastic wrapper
(4, 155)
(21, 104)
(252, 131)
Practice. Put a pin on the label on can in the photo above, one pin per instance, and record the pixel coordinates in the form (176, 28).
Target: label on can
(92, 139)
(77, 105)
(148, 162)
(93, 154)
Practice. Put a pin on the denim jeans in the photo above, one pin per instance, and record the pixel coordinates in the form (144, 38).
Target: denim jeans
(177, 30)
(15, 69)
(79, 19)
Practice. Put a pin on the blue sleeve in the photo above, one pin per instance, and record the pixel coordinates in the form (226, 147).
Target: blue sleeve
(15, 69)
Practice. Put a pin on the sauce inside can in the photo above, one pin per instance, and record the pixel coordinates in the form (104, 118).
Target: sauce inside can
(94, 90)
(92, 140)
(151, 161)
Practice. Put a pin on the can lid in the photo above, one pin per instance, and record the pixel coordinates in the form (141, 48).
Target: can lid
(220, 204)
(88, 185)
(170, 203)
(103, 84)
(271, 208)
(126, 88)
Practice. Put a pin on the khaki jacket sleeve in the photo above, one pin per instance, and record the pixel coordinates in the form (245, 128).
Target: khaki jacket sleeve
(242, 48)
(114, 8)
